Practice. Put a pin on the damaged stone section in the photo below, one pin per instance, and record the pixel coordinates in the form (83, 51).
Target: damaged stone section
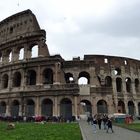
(20, 33)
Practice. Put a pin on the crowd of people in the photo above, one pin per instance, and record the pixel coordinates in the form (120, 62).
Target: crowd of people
(100, 120)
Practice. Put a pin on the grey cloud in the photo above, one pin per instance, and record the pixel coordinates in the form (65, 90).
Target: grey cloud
(126, 22)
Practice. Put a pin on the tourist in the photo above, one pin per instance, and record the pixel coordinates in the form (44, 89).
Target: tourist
(109, 125)
(94, 123)
(99, 122)
(105, 118)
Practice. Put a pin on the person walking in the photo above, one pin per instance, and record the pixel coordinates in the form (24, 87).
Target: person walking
(105, 119)
(94, 123)
(109, 125)
(99, 122)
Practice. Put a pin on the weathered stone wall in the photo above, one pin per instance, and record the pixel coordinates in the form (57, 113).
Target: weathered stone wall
(112, 82)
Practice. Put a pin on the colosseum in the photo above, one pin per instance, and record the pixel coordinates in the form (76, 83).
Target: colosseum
(33, 82)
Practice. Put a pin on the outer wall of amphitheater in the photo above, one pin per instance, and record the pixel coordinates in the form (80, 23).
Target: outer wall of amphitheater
(33, 84)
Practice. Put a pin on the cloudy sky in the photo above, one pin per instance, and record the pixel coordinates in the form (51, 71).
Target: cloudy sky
(78, 27)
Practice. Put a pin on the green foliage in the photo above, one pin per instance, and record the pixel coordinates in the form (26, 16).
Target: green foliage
(132, 126)
(48, 131)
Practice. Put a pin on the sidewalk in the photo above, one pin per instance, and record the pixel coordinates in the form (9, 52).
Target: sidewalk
(119, 133)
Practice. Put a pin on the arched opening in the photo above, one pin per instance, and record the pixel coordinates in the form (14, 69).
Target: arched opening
(21, 54)
(86, 107)
(10, 56)
(84, 78)
(5, 79)
(131, 108)
(121, 107)
(137, 85)
(48, 76)
(30, 108)
(15, 108)
(0, 57)
(139, 108)
(117, 71)
(128, 84)
(118, 84)
(69, 78)
(31, 77)
(108, 81)
(102, 106)
(17, 79)
(66, 108)
(34, 51)
(2, 108)
(47, 107)
(105, 60)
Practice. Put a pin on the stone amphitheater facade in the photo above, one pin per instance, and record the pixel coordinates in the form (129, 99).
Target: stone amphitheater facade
(44, 84)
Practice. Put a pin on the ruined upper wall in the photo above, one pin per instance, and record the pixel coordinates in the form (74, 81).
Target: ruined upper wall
(20, 24)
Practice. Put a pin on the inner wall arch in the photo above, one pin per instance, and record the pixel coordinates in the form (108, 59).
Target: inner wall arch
(102, 106)
(47, 107)
(86, 107)
(121, 107)
(66, 109)
(2, 108)
(84, 78)
(30, 108)
(15, 108)
(131, 108)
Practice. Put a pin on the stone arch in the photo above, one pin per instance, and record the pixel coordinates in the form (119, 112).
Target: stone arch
(128, 84)
(66, 108)
(1, 57)
(131, 108)
(137, 85)
(47, 107)
(17, 79)
(121, 107)
(15, 108)
(108, 81)
(48, 76)
(119, 84)
(102, 106)
(5, 79)
(85, 106)
(84, 78)
(21, 53)
(139, 108)
(30, 108)
(2, 108)
(10, 55)
(69, 77)
(117, 71)
(31, 77)
(34, 50)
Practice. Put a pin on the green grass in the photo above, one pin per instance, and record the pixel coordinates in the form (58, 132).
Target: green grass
(48, 131)
(132, 126)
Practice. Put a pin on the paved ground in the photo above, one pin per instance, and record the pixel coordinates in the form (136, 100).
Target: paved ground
(119, 133)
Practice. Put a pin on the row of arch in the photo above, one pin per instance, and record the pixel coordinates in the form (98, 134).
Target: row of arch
(19, 53)
(85, 79)
(65, 107)
(31, 78)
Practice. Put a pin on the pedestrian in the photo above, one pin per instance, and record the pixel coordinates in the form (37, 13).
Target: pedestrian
(88, 119)
(105, 119)
(109, 125)
(99, 122)
(94, 123)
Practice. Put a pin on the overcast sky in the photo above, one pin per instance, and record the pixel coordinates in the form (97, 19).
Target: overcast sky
(78, 27)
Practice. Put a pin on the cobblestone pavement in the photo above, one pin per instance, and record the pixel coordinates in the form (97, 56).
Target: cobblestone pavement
(119, 133)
